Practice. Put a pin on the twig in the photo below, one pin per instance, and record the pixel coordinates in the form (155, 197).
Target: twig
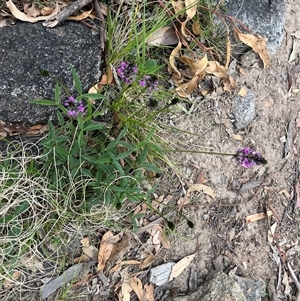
(294, 277)
(65, 13)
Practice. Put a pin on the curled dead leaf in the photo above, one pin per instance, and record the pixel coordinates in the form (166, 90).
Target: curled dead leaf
(104, 251)
(32, 9)
(23, 17)
(191, 8)
(82, 16)
(174, 54)
(179, 267)
(163, 36)
(178, 7)
(257, 43)
(201, 188)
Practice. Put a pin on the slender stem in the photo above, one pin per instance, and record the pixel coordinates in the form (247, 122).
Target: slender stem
(198, 152)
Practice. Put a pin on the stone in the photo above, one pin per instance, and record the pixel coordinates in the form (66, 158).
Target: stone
(26, 49)
(220, 288)
(244, 110)
(251, 288)
(265, 17)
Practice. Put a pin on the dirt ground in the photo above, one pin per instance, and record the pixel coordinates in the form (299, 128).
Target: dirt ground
(220, 226)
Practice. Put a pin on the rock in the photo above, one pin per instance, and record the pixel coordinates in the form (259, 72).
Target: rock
(220, 288)
(160, 275)
(265, 17)
(251, 288)
(244, 110)
(28, 48)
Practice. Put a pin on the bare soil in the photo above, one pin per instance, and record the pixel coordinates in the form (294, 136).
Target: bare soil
(220, 225)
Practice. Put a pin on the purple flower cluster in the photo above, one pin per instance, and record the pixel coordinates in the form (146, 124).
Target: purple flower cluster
(127, 72)
(150, 82)
(248, 157)
(74, 106)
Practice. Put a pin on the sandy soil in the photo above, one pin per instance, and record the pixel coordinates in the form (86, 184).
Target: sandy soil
(220, 227)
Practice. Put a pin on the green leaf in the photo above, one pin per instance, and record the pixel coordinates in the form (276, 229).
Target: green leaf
(51, 129)
(80, 140)
(123, 155)
(127, 145)
(151, 167)
(62, 153)
(94, 96)
(43, 102)
(77, 81)
(93, 127)
(60, 118)
(114, 143)
(119, 168)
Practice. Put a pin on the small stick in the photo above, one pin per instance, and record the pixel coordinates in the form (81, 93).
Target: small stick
(294, 277)
(65, 13)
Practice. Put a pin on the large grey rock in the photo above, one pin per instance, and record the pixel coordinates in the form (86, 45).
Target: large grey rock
(265, 17)
(25, 49)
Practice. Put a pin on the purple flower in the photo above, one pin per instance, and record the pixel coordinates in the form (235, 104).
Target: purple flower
(127, 72)
(248, 157)
(150, 83)
(74, 106)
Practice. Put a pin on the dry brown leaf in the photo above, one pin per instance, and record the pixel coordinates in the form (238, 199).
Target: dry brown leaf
(243, 91)
(126, 289)
(82, 16)
(163, 36)
(104, 251)
(46, 11)
(23, 17)
(174, 54)
(32, 263)
(37, 129)
(196, 28)
(186, 89)
(120, 264)
(271, 233)
(87, 248)
(32, 9)
(196, 66)
(257, 43)
(147, 261)
(82, 258)
(237, 137)
(232, 83)
(178, 6)
(191, 8)
(15, 275)
(119, 249)
(137, 286)
(228, 51)
(149, 291)
(216, 69)
(201, 188)
(164, 240)
(179, 267)
(201, 178)
(257, 216)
